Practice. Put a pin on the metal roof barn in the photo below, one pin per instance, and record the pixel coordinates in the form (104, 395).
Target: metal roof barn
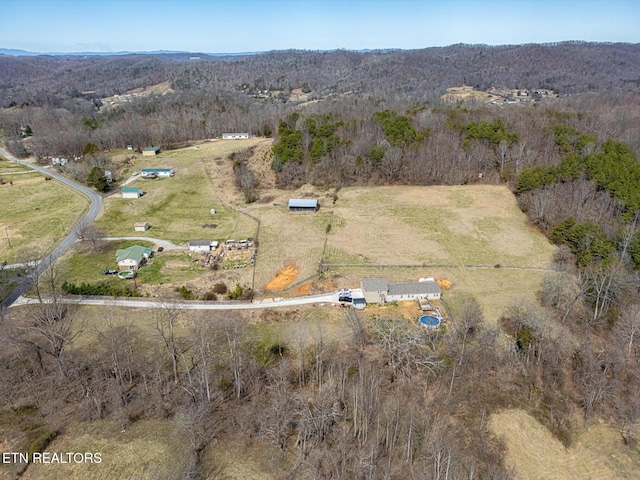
(303, 205)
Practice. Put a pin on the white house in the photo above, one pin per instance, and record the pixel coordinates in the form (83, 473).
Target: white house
(202, 246)
(234, 136)
(131, 192)
(132, 258)
(159, 172)
(377, 290)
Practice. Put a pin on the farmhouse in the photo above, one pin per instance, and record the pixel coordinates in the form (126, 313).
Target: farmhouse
(150, 151)
(234, 136)
(159, 172)
(303, 205)
(202, 245)
(141, 226)
(132, 258)
(131, 192)
(413, 291)
(377, 290)
(374, 290)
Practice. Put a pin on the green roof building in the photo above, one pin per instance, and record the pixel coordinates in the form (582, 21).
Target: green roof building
(132, 258)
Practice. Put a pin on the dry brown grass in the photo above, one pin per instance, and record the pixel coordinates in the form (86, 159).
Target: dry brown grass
(143, 451)
(37, 213)
(534, 454)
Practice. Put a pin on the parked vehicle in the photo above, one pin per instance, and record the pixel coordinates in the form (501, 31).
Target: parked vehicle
(109, 272)
(160, 249)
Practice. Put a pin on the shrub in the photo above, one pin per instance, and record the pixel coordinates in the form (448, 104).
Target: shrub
(220, 288)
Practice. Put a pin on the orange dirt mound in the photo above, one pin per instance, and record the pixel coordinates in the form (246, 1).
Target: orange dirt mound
(444, 284)
(303, 288)
(282, 279)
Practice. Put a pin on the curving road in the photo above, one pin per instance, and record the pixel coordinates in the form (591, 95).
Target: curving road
(69, 240)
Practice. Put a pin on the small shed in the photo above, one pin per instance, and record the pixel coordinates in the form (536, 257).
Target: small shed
(201, 246)
(141, 226)
(359, 303)
(303, 205)
(150, 151)
(131, 192)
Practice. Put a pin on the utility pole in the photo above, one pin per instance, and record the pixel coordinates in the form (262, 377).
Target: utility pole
(6, 232)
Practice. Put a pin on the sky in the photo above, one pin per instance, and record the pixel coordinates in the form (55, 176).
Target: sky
(234, 26)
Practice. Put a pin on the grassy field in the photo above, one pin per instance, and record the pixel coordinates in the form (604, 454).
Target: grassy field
(460, 225)
(35, 212)
(84, 264)
(533, 453)
(177, 207)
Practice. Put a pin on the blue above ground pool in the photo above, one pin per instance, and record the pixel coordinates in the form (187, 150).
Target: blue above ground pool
(429, 321)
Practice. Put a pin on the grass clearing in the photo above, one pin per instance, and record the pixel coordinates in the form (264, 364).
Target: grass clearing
(177, 207)
(477, 224)
(36, 213)
(533, 453)
(144, 450)
(86, 265)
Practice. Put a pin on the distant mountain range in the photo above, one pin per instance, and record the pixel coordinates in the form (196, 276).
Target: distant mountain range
(25, 53)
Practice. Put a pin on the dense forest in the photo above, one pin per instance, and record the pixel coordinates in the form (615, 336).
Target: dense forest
(374, 118)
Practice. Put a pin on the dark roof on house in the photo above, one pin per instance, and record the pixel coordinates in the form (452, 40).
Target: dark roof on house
(157, 170)
(151, 149)
(374, 284)
(303, 203)
(414, 288)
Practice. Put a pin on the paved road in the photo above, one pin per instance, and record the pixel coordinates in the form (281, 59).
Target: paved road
(69, 240)
(327, 298)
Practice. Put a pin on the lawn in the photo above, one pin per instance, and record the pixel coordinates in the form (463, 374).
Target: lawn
(36, 213)
(178, 207)
(84, 264)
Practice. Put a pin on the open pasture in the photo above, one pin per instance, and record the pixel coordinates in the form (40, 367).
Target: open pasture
(177, 207)
(457, 225)
(36, 213)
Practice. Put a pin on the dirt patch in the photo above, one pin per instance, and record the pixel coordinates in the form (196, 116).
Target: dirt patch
(302, 289)
(283, 278)
(445, 284)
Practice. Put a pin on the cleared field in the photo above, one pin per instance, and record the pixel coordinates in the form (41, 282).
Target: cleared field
(144, 450)
(460, 225)
(35, 212)
(533, 453)
(177, 207)
(295, 239)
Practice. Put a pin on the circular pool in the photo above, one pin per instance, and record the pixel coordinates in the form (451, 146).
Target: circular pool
(429, 321)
